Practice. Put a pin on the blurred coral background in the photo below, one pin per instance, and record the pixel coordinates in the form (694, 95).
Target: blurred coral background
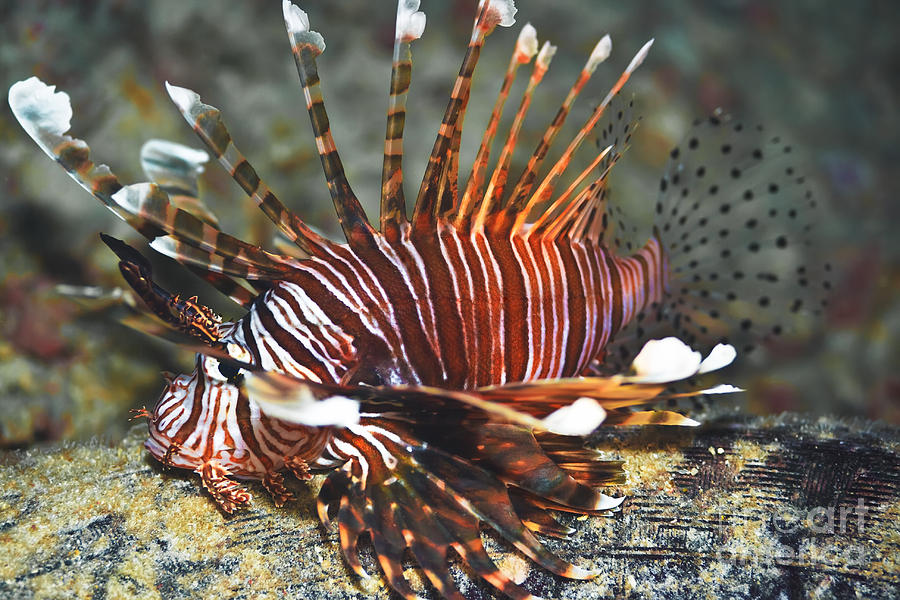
(821, 72)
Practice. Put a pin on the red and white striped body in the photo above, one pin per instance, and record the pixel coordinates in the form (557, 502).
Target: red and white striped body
(455, 310)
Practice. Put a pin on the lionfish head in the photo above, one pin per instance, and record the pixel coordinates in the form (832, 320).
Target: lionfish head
(189, 406)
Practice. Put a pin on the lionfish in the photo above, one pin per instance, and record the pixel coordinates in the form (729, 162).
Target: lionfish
(445, 368)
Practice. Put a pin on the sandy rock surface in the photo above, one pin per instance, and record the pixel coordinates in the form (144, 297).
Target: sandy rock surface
(758, 509)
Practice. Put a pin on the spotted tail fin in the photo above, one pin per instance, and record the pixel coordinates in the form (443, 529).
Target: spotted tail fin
(736, 216)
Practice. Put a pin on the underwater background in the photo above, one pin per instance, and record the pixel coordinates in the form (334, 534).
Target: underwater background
(821, 73)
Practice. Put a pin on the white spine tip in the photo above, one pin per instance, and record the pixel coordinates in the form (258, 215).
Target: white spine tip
(579, 418)
(504, 11)
(600, 53)
(527, 44)
(546, 55)
(295, 19)
(665, 360)
(40, 108)
(165, 245)
(639, 57)
(410, 20)
(183, 98)
(163, 151)
(609, 503)
(721, 356)
(723, 389)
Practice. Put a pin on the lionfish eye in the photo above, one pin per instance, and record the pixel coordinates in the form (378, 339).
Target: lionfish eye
(230, 372)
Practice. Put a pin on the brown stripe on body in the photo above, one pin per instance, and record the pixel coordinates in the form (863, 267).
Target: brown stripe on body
(627, 298)
(419, 355)
(466, 299)
(230, 412)
(445, 303)
(481, 348)
(340, 351)
(645, 280)
(247, 429)
(576, 324)
(559, 307)
(346, 318)
(515, 309)
(614, 295)
(493, 298)
(604, 294)
(269, 434)
(249, 341)
(533, 290)
(595, 302)
(289, 342)
(367, 286)
(197, 404)
(545, 306)
(214, 418)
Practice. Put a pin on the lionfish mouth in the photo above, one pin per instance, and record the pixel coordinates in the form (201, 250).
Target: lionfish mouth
(446, 367)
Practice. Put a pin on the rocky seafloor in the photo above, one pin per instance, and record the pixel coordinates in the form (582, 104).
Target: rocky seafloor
(765, 508)
(95, 518)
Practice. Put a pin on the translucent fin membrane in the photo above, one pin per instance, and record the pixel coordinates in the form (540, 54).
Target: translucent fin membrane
(410, 26)
(46, 114)
(207, 122)
(306, 45)
(497, 184)
(736, 215)
(175, 169)
(443, 159)
(526, 48)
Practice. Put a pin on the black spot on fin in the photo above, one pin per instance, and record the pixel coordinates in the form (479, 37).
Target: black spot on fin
(738, 217)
